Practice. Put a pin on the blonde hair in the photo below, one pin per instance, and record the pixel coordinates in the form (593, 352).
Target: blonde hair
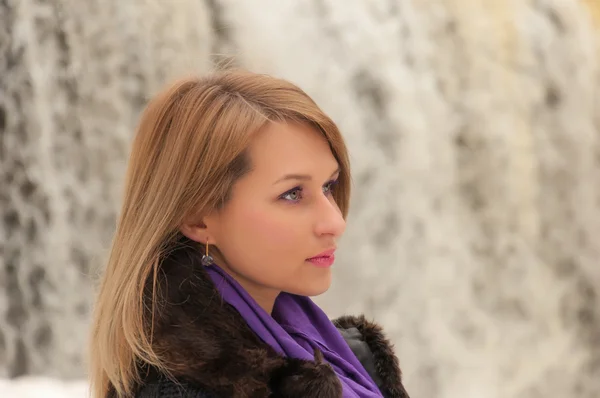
(189, 149)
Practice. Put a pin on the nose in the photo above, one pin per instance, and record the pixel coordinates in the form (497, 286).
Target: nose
(329, 219)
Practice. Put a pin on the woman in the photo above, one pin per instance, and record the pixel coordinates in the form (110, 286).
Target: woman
(236, 193)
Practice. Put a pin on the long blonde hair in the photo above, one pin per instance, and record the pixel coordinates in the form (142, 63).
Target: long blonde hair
(189, 149)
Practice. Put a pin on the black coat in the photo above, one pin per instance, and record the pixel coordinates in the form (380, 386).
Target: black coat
(214, 354)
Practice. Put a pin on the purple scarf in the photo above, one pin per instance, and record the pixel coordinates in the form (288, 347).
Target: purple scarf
(296, 327)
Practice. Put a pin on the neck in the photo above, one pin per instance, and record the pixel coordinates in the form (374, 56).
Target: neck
(263, 295)
(266, 300)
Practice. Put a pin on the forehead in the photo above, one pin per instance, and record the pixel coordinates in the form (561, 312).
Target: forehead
(282, 148)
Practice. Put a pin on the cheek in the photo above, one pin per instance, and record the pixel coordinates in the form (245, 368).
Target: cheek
(271, 228)
(268, 246)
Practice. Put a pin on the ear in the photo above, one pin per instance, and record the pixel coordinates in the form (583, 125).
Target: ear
(197, 231)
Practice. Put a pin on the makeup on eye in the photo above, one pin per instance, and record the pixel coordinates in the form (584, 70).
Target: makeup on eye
(298, 190)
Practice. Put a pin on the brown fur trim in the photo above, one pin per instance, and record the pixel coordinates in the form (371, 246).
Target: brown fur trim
(206, 343)
(386, 362)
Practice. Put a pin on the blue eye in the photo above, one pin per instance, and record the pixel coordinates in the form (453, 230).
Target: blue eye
(330, 187)
(293, 195)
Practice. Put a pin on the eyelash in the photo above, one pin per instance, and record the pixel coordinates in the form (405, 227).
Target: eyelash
(331, 184)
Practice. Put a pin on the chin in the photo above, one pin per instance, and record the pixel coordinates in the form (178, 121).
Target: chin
(316, 286)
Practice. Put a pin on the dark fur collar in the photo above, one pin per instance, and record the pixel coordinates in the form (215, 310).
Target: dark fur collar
(387, 367)
(206, 343)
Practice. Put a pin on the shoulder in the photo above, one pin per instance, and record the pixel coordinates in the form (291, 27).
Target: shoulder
(375, 352)
(165, 388)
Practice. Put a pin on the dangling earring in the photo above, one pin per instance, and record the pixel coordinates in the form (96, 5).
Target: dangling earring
(207, 258)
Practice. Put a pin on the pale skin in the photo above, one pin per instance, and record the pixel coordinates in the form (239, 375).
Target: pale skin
(280, 214)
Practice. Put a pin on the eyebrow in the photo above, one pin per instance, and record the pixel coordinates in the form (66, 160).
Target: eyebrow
(302, 177)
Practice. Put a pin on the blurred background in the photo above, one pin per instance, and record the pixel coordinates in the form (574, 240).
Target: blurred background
(474, 133)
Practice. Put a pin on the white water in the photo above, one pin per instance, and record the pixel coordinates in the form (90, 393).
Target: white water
(37, 387)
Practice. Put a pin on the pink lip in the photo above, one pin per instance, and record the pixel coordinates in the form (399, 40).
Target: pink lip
(324, 259)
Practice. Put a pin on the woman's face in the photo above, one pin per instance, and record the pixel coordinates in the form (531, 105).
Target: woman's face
(280, 215)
